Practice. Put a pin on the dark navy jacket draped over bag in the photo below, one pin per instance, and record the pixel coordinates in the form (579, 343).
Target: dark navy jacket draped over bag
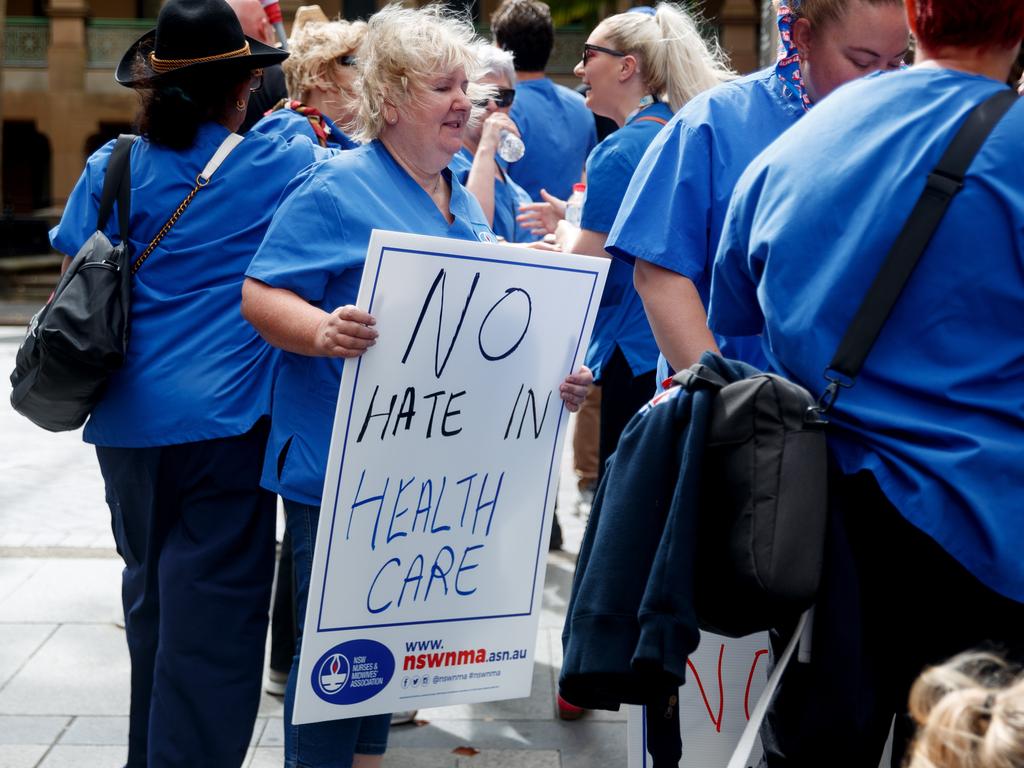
(631, 622)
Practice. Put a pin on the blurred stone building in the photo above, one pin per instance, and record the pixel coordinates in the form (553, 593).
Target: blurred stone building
(59, 101)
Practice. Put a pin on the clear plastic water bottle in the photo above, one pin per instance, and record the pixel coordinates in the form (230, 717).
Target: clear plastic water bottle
(510, 147)
(574, 205)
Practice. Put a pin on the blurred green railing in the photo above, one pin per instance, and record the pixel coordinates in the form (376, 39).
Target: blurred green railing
(108, 39)
(25, 40)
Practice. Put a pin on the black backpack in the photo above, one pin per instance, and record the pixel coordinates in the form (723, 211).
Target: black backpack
(80, 337)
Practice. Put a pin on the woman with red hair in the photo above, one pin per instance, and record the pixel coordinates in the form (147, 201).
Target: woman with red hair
(925, 554)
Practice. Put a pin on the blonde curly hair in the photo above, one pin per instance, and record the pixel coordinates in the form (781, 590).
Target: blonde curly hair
(970, 714)
(315, 49)
(403, 48)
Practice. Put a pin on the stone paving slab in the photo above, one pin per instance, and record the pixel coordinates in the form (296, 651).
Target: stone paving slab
(17, 644)
(52, 492)
(82, 669)
(14, 573)
(271, 706)
(96, 731)
(582, 744)
(273, 732)
(84, 757)
(21, 755)
(66, 591)
(23, 730)
(401, 757)
(520, 758)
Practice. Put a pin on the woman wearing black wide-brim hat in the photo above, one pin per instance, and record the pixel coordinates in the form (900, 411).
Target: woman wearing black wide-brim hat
(181, 429)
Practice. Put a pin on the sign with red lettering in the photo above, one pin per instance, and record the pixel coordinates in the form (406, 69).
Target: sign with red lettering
(725, 677)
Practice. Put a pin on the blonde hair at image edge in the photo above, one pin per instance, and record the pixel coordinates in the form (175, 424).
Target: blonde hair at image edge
(970, 714)
(675, 61)
(403, 48)
(314, 49)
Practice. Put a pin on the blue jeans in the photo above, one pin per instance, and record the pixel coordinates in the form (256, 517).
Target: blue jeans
(331, 744)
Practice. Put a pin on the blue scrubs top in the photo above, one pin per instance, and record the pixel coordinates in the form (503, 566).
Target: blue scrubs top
(621, 321)
(675, 205)
(288, 123)
(558, 131)
(316, 247)
(507, 197)
(196, 370)
(937, 413)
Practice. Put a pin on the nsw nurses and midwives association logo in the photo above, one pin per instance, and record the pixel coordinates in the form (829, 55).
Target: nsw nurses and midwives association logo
(334, 671)
(353, 672)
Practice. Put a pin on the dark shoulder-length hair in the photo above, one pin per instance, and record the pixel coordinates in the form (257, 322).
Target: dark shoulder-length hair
(172, 110)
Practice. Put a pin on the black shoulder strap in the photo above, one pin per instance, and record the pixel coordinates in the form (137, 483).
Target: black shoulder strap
(117, 185)
(943, 184)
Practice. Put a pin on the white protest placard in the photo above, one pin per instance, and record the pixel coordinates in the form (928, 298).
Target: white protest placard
(440, 485)
(725, 677)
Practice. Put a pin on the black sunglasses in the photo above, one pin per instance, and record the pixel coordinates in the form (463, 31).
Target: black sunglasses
(589, 51)
(503, 98)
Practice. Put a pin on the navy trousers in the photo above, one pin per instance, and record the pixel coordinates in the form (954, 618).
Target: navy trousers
(196, 533)
(892, 602)
(622, 395)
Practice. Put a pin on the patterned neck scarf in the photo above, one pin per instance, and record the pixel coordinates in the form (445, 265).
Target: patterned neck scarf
(321, 126)
(787, 67)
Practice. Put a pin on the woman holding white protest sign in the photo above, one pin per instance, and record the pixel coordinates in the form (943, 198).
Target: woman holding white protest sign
(414, 71)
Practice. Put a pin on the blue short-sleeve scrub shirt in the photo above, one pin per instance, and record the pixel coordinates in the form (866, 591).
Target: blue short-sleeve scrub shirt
(288, 123)
(937, 413)
(196, 370)
(508, 196)
(621, 321)
(558, 131)
(316, 248)
(676, 202)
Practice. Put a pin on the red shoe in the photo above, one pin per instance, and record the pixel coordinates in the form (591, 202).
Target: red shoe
(567, 711)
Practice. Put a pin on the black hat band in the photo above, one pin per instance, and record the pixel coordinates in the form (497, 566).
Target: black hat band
(162, 66)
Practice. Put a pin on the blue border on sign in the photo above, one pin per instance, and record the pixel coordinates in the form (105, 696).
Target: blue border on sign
(348, 424)
(643, 730)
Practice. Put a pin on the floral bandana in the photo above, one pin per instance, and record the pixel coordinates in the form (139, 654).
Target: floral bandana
(787, 67)
(321, 127)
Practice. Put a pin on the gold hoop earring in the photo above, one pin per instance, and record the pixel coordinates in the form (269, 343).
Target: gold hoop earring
(240, 105)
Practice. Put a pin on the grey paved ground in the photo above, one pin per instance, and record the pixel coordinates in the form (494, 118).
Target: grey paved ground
(64, 665)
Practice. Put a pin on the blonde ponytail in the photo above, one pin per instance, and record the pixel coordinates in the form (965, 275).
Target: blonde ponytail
(970, 714)
(675, 61)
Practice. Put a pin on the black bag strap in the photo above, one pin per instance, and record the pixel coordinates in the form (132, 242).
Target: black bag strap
(117, 185)
(943, 184)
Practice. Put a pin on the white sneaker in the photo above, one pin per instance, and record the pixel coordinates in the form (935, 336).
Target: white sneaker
(401, 718)
(275, 681)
